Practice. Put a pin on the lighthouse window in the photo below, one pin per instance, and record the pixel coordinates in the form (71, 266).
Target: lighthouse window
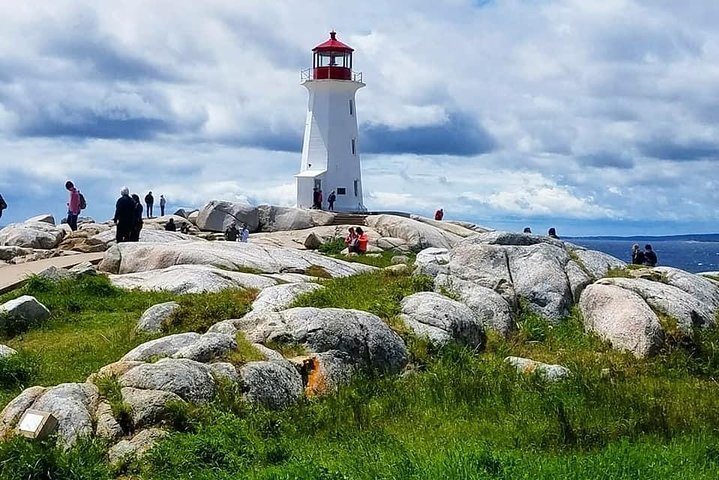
(341, 191)
(356, 187)
(352, 108)
(354, 147)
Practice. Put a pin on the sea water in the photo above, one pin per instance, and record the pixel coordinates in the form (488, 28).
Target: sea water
(692, 256)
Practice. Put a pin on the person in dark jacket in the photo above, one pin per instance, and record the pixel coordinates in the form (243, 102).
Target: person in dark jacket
(137, 225)
(331, 200)
(552, 232)
(650, 258)
(150, 201)
(3, 205)
(124, 216)
(637, 255)
(170, 226)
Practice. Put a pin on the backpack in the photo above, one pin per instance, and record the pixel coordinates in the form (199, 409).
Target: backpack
(83, 203)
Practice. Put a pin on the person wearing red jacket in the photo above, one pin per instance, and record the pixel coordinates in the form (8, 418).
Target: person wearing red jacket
(73, 205)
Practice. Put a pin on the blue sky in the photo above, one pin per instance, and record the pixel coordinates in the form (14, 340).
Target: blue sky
(593, 116)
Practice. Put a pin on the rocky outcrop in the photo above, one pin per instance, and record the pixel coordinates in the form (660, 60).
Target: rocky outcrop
(39, 235)
(216, 216)
(137, 257)
(183, 279)
(442, 319)
(279, 297)
(136, 447)
(73, 406)
(364, 337)
(277, 219)
(190, 345)
(418, 235)
(153, 318)
(148, 407)
(148, 235)
(190, 380)
(623, 318)
(527, 366)
(45, 218)
(271, 384)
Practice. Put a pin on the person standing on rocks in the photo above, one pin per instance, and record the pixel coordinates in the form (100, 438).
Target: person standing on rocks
(73, 205)
(527, 230)
(163, 202)
(149, 201)
(137, 224)
(637, 255)
(124, 216)
(331, 201)
(244, 234)
(439, 214)
(650, 257)
(552, 232)
(3, 205)
(231, 232)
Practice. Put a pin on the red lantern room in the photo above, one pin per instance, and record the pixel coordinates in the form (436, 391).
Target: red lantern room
(332, 60)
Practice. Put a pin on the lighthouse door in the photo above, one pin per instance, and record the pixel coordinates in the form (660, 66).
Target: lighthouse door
(318, 183)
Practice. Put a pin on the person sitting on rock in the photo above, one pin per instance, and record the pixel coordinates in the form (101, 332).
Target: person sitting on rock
(185, 228)
(637, 255)
(231, 233)
(360, 246)
(170, 226)
(351, 238)
(650, 258)
(244, 234)
(553, 233)
(527, 230)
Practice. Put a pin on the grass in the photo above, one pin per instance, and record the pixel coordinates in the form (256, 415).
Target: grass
(198, 312)
(456, 414)
(383, 260)
(637, 271)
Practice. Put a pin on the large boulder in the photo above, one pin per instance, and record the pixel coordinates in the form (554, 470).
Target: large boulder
(127, 450)
(153, 318)
(623, 318)
(688, 311)
(23, 312)
(231, 256)
(38, 235)
(442, 319)
(279, 297)
(148, 235)
(190, 345)
(13, 411)
(73, 405)
(274, 219)
(182, 279)
(217, 215)
(148, 407)
(455, 228)
(595, 263)
(364, 337)
(45, 218)
(418, 235)
(701, 288)
(271, 384)
(191, 380)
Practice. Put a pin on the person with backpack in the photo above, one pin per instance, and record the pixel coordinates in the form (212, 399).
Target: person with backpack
(149, 201)
(73, 205)
(163, 202)
(439, 214)
(137, 224)
(3, 205)
(331, 200)
(125, 215)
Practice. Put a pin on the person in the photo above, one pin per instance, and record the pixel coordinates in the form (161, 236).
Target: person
(351, 238)
(163, 202)
(231, 233)
(244, 234)
(124, 216)
(137, 221)
(170, 226)
(185, 228)
(650, 257)
(320, 198)
(637, 255)
(331, 200)
(553, 233)
(315, 198)
(73, 205)
(149, 201)
(360, 245)
(3, 205)
(527, 230)
(439, 214)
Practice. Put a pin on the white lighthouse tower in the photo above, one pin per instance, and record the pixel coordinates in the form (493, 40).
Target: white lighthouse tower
(330, 151)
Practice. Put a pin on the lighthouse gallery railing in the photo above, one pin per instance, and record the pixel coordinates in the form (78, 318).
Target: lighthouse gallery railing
(308, 74)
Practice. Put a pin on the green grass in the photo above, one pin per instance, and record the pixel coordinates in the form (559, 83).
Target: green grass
(198, 312)
(383, 260)
(457, 414)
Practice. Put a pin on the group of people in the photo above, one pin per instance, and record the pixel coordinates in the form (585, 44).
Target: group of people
(233, 234)
(356, 240)
(150, 204)
(552, 232)
(318, 199)
(647, 257)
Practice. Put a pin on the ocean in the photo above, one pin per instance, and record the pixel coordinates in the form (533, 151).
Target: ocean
(690, 255)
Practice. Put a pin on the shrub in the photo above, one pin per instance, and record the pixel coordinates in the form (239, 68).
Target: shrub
(198, 312)
(333, 247)
(19, 369)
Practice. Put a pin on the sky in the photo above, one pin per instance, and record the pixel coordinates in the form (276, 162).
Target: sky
(597, 117)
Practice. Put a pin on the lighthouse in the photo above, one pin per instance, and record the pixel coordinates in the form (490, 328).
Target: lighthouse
(330, 150)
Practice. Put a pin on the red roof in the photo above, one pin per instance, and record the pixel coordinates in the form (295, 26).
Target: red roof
(332, 44)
